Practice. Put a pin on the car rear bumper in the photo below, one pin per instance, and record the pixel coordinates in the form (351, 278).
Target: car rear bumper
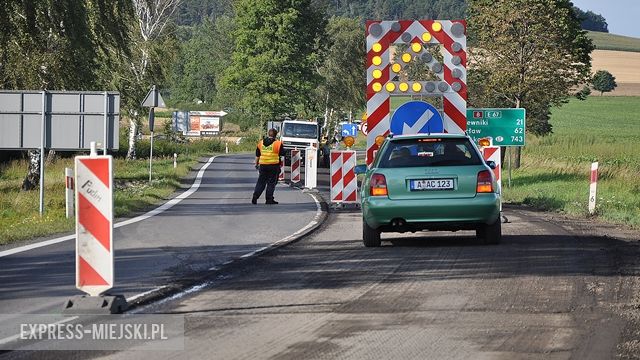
(433, 214)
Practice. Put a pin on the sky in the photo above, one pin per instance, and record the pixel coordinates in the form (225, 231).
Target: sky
(621, 15)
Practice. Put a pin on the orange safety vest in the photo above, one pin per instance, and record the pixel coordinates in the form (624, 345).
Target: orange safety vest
(269, 155)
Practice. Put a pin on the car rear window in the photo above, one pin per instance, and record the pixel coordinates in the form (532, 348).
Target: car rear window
(429, 152)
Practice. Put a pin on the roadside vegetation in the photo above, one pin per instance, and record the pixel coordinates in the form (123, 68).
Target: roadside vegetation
(555, 169)
(606, 41)
(19, 216)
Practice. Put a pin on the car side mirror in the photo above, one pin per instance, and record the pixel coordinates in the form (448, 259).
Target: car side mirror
(492, 164)
(360, 169)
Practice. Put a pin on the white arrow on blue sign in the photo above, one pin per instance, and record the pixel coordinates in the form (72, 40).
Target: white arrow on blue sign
(349, 129)
(416, 117)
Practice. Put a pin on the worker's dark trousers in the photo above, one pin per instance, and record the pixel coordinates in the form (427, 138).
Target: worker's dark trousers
(268, 177)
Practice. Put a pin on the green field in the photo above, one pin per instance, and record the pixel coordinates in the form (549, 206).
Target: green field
(605, 41)
(555, 169)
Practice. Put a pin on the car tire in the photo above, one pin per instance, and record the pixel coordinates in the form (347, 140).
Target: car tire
(490, 234)
(370, 236)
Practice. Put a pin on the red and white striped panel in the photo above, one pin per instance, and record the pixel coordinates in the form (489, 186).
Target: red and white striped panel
(344, 185)
(281, 175)
(94, 224)
(386, 33)
(295, 166)
(492, 153)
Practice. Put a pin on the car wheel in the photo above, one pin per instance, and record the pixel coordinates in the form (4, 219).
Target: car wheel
(370, 236)
(490, 234)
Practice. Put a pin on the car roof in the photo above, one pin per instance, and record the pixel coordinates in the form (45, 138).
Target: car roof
(427, 136)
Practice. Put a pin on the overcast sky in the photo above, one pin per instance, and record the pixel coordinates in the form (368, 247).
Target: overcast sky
(622, 15)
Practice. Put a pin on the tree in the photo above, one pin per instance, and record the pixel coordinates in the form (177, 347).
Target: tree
(603, 81)
(273, 64)
(148, 63)
(57, 45)
(526, 53)
(591, 21)
(342, 67)
(205, 57)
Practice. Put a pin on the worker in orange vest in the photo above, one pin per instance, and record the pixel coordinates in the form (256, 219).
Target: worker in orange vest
(268, 155)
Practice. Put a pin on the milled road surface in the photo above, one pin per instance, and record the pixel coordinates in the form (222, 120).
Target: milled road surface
(213, 225)
(554, 289)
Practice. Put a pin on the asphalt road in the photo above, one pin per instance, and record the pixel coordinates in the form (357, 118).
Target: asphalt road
(552, 290)
(213, 225)
(555, 288)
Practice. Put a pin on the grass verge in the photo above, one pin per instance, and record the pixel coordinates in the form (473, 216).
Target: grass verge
(19, 217)
(555, 171)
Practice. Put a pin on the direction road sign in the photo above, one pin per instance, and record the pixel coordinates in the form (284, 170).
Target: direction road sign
(349, 130)
(416, 117)
(505, 126)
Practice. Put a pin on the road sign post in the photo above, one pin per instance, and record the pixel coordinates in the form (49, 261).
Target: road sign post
(152, 100)
(593, 188)
(506, 127)
(69, 188)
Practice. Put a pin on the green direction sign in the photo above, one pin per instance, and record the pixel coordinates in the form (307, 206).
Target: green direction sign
(505, 126)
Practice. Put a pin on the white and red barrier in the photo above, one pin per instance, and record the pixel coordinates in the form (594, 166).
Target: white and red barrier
(68, 192)
(593, 188)
(94, 224)
(344, 186)
(295, 166)
(281, 175)
(492, 153)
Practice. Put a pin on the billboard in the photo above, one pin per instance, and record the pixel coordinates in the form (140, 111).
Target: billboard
(205, 123)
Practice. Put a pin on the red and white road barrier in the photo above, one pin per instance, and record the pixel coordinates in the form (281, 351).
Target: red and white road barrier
(68, 191)
(281, 175)
(295, 166)
(94, 224)
(593, 188)
(344, 186)
(492, 153)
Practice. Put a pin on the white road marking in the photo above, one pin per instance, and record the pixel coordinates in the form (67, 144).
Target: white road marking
(312, 223)
(160, 209)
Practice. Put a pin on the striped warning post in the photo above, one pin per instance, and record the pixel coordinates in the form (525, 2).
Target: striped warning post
(593, 187)
(381, 85)
(344, 186)
(295, 166)
(281, 175)
(94, 224)
(492, 153)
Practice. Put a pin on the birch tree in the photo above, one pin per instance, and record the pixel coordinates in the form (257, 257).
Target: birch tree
(151, 20)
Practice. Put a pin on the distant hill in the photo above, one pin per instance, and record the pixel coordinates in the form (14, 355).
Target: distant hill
(605, 41)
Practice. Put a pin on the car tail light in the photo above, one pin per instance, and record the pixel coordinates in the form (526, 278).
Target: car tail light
(485, 182)
(378, 185)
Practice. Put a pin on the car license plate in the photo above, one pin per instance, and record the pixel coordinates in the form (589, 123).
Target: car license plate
(431, 184)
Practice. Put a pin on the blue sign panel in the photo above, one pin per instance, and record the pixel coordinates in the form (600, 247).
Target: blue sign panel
(416, 117)
(349, 130)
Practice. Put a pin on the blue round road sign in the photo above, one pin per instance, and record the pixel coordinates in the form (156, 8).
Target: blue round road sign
(416, 117)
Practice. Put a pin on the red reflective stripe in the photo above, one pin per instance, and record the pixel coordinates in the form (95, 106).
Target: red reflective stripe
(87, 275)
(351, 197)
(594, 176)
(336, 177)
(100, 168)
(94, 221)
(457, 117)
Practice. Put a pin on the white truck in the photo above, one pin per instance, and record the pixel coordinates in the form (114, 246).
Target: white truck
(299, 134)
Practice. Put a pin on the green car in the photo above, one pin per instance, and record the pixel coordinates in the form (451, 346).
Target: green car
(435, 182)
